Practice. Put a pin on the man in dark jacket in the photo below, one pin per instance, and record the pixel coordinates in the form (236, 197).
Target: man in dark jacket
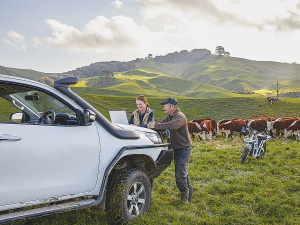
(176, 123)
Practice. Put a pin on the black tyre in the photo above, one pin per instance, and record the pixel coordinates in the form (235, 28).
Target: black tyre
(264, 148)
(128, 196)
(245, 153)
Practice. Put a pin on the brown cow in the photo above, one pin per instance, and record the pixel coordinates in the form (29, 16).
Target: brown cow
(259, 125)
(221, 122)
(270, 121)
(293, 129)
(214, 124)
(200, 120)
(279, 125)
(271, 99)
(194, 129)
(206, 130)
(231, 126)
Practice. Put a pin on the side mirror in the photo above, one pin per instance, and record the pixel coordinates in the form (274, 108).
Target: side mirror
(89, 117)
(16, 117)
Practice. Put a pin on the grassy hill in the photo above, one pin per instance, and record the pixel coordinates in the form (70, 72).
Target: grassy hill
(136, 82)
(233, 74)
(210, 77)
(25, 73)
(228, 73)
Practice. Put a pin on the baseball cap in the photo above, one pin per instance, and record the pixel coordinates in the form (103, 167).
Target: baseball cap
(170, 100)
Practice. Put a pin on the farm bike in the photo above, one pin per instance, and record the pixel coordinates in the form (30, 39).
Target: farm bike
(255, 144)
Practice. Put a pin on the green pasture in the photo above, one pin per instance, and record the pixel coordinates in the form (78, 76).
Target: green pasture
(260, 191)
(245, 106)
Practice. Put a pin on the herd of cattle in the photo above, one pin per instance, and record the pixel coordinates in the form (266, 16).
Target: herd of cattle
(207, 128)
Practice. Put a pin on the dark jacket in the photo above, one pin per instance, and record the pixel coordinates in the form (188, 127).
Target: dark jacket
(177, 125)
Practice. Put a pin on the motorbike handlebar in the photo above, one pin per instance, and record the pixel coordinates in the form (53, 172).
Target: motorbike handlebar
(246, 125)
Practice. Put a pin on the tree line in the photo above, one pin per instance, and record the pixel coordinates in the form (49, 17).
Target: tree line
(184, 55)
(292, 94)
(96, 69)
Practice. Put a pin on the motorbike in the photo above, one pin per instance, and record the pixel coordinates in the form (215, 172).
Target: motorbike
(255, 144)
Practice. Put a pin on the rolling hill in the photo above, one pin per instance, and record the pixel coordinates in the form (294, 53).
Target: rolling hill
(196, 74)
(26, 73)
(230, 73)
(136, 82)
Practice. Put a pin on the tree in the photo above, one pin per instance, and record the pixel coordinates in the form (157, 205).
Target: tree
(150, 56)
(46, 80)
(276, 89)
(247, 90)
(221, 51)
(106, 79)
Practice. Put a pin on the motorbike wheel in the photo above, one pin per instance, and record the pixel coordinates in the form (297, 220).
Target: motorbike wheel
(245, 153)
(263, 150)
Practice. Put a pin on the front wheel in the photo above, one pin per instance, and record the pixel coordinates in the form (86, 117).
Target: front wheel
(245, 153)
(128, 196)
(263, 151)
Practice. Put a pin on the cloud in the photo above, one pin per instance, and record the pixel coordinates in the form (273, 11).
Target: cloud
(9, 42)
(286, 24)
(121, 5)
(235, 1)
(98, 34)
(102, 34)
(15, 40)
(16, 36)
(204, 10)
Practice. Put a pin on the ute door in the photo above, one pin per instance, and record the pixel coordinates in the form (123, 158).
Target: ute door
(44, 161)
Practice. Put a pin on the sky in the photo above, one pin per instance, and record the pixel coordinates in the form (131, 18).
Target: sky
(57, 36)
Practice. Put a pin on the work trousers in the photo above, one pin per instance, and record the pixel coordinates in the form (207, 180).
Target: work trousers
(181, 159)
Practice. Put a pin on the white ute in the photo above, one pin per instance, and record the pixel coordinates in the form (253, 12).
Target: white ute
(59, 153)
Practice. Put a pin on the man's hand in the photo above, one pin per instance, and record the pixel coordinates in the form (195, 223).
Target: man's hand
(151, 125)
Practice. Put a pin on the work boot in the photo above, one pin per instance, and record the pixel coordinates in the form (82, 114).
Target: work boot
(185, 195)
(190, 193)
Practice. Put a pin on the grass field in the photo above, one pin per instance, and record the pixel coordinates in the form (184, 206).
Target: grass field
(225, 191)
(245, 106)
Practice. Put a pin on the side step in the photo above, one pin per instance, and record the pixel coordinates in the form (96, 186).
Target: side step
(46, 210)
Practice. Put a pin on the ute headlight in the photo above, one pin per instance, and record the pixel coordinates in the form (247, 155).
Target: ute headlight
(154, 137)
